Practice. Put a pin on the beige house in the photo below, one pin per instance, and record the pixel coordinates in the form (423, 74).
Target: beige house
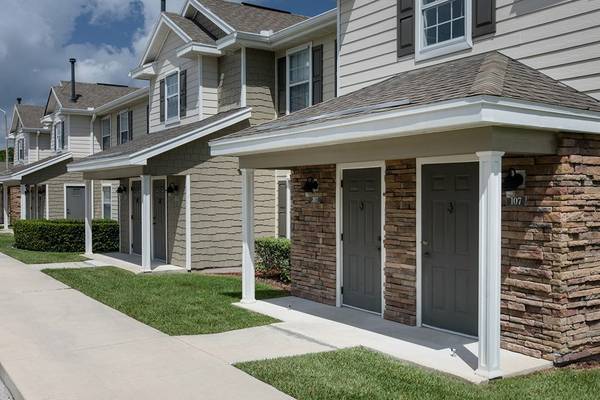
(181, 206)
(453, 183)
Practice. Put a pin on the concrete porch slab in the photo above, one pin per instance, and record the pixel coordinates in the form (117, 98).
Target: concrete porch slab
(133, 262)
(344, 327)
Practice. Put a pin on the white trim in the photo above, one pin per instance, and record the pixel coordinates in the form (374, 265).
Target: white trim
(200, 87)
(176, 119)
(108, 185)
(120, 124)
(444, 116)
(141, 157)
(146, 222)
(47, 202)
(339, 275)
(5, 214)
(221, 24)
(248, 268)
(288, 203)
(127, 99)
(243, 67)
(102, 121)
(188, 222)
(19, 175)
(190, 50)
(70, 184)
(163, 20)
(23, 199)
(288, 53)
(88, 213)
(423, 52)
(465, 158)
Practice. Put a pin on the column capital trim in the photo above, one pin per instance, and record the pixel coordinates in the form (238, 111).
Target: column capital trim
(489, 154)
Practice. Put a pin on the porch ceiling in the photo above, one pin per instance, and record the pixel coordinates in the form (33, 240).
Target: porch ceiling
(468, 141)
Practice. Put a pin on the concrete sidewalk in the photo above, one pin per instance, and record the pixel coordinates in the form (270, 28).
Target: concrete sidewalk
(56, 343)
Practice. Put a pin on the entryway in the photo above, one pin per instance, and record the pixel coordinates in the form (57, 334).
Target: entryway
(74, 202)
(361, 239)
(136, 217)
(449, 246)
(159, 219)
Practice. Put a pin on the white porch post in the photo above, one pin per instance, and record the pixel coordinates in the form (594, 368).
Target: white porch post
(188, 222)
(5, 206)
(248, 293)
(490, 229)
(23, 201)
(146, 223)
(89, 215)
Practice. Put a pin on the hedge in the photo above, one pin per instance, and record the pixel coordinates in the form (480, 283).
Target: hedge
(273, 257)
(65, 236)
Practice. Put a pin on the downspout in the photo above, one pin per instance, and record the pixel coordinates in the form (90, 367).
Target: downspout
(92, 133)
(37, 146)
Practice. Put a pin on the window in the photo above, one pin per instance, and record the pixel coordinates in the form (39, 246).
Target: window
(106, 133)
(123, 127)
(59, 136)
(444, 27)
(172, 91)
(21, 149)
(106, 202)
(299, 80)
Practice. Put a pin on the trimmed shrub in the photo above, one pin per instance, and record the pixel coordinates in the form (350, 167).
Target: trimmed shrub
(65, 236)
(273, 257)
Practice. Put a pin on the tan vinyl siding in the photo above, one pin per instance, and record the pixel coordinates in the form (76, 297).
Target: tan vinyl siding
(210, 91)
(229, 89)
(78, 135)
(260, 85)
(560, 38)
(139, 124)
(168, 62)
(44, 146)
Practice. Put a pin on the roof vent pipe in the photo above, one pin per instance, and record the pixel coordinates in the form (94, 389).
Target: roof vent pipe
(163, 5)
(73, 92)
(19, 100)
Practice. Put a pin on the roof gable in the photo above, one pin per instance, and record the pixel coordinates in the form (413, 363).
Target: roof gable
(90, 95)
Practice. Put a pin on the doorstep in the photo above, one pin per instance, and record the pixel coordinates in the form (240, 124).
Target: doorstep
(133, 263)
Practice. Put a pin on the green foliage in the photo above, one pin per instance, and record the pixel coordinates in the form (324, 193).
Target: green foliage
(65, 236)
(7, 246)
(273, 257)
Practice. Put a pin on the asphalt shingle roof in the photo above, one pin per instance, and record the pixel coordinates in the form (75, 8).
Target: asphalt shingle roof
(190, 28)
(491, 73)
(246, 18)
(144, 142)
(90, 94)
(30, 115)
(21, 167)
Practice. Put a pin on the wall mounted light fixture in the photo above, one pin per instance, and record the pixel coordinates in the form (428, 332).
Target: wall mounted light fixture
(122, 189)
(172, 188)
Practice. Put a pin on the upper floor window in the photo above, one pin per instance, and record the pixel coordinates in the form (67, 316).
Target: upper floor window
(172, 99)
(59, 136)
(124, 126)
(105, 133)
(298, 79)
(21, 149)
(444, 26)
(106, 201)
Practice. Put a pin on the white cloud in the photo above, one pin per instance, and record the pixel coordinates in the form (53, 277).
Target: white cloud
(34, 52)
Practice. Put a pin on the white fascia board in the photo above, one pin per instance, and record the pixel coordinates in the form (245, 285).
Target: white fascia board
(141, 157)
(162, 21)
(123, 100)
(19, 175)
(444, 116)
(194, 49)
(77, 111)
(144, 72)
(224, 26)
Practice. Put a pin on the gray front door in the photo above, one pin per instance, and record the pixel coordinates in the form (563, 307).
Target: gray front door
(136, 217)
(75, 202)
(450, 218)
(159, 220)
(362, 238)
(282, 208)
(41, 202)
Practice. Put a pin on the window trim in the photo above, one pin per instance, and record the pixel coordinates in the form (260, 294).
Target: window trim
(110, 202)
(423, 52)
(177, 118)
(102, 136)
(289, 52)
(58, 134)
(21, 149)
(121, 131)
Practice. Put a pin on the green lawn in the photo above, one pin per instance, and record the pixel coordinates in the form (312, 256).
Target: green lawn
(176, 304)
(34, 257)
(362, 374)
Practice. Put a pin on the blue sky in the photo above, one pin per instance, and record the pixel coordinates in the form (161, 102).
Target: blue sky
(106, 37)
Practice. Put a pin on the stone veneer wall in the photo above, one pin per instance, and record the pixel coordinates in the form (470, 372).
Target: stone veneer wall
(400, 241)
(551, 255)
(14, 203)
(313, 236)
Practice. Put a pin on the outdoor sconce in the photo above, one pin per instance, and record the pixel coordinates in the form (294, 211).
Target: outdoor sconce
(172, 188)
(121, 189)
(311, 185)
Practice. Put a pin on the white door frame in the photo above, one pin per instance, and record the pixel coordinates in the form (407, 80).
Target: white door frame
(164, 179)
(339, 225)
(465, 158)
(129, 215)
(71, 184)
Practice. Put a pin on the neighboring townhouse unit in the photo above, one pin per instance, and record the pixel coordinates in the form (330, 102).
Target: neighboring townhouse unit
(212, 70)
(66, 133)
(454, 183)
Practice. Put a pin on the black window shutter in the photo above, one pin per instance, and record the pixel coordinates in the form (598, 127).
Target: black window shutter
(317, 74)
(335, 68)
(130, 128)
(281, 86)
(406, 27)
(162, 100)
(484, 17)
(147, 118)
(119, 128)
(182, 93)
(62, 135)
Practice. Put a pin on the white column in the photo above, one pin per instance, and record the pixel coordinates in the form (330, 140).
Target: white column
(248, 293)
(188, 222)
(146, 223)
(490, 229)
(5, 206)
(23, 201)
(89, 215)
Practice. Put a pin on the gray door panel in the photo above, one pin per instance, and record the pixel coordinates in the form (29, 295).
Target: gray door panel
(158, 219)
(136, 217)
(282, 208)
(41, 202)
(362, 238)
(450, 213)
(75, 202)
